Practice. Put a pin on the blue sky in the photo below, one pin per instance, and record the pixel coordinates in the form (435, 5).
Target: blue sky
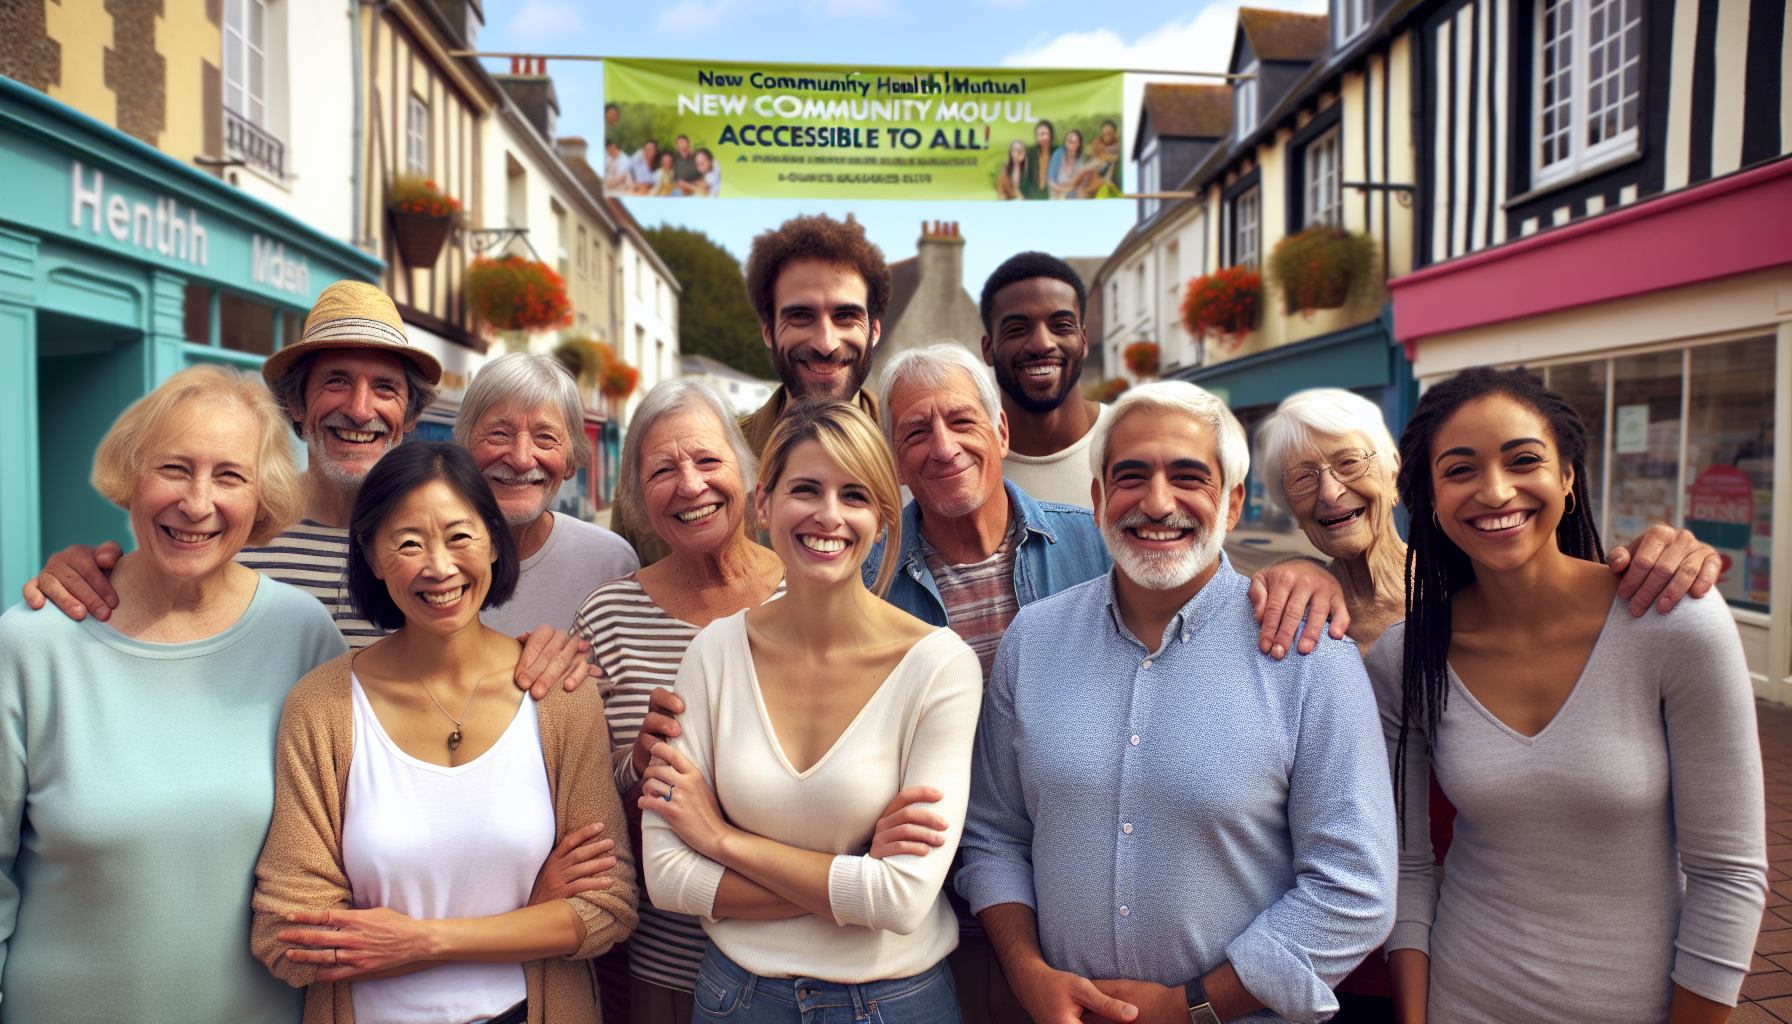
(965, 33)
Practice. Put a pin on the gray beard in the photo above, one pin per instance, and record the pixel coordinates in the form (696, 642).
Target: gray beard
(1168, 570)
(344, 479)
(518, 520)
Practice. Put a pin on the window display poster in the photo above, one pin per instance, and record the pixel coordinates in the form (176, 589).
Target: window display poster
(1631, 429)
(1720, 510)
(713, 129)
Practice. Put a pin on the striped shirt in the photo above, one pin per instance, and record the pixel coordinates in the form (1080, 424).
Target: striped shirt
(639, 646)
(314, 558)
(979, 597)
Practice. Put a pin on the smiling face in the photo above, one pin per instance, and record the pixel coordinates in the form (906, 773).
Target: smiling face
(1039, 342)
(683, 145)
(1073, 143)
(1499, 485)
(822, 520)
(1042, 134)
(525, 455)
(1109, 134)
(435, 556)
(651, 151)
(1160, 503)
(1017, 153)
(704, 163)
(1343, 520)
(947, 450)
(695, 493)
(823, 336)
(194, 506)
(355, 403)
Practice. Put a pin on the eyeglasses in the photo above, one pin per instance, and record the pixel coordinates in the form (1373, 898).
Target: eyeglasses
(1346, 465)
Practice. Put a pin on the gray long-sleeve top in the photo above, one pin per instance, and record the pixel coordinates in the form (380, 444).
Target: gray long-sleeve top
(1615, 853)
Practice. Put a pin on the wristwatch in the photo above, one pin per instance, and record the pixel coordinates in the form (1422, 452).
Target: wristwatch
(1200, 1011)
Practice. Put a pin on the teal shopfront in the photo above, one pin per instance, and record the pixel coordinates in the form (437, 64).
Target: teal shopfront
(1364, 359)
(118, 266)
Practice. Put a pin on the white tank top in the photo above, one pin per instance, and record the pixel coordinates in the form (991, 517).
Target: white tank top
(432, 842)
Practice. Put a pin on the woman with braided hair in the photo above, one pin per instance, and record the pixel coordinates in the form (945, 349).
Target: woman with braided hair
(1609, 861)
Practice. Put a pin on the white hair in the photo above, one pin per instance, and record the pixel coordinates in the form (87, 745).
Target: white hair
(678, 394)
(1177, 396)
(1306, 416)
(932, 368)
(531, 381)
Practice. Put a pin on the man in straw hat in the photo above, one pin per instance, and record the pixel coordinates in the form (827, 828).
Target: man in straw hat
(353, 385)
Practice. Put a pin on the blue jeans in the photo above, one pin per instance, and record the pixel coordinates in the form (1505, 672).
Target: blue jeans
(727, 991)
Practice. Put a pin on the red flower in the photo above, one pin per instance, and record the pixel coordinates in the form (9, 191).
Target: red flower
(514, 294)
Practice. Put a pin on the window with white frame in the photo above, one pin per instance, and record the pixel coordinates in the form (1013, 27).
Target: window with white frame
(1324, 205)
(1149, 180)
(1247, 228)
(246, 59)
(1244, 101)
(416, 136)
(1350, 17)
(1589, 84)
(1141, 296)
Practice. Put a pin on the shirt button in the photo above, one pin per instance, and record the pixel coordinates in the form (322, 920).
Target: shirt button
(1147, 662)
(1135, 741)
(1185, 638)
(1127, 828)
(1125, 912)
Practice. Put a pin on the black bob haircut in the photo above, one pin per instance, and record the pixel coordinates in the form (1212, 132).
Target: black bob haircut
(1024, 266)
(399, 472)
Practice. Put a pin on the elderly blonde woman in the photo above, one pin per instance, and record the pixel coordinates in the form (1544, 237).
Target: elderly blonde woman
(688, 474)
(138, 774)
(1336, 463)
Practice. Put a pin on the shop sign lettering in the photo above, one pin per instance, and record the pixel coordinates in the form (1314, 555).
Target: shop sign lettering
(271, 266)
(163, 229)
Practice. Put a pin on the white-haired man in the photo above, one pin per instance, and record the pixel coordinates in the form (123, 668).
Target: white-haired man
(1182, 828)
(524, 421)
(353, 385)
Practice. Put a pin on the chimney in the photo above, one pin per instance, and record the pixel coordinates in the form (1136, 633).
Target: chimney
(940, 259)
(530, 88)
(572, 147)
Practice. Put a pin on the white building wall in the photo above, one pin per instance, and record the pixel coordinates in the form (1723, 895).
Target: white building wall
(649, 337)
(1143, 292)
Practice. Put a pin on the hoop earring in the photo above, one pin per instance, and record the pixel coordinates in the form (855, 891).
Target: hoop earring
(1572, 505)
(1435, 523)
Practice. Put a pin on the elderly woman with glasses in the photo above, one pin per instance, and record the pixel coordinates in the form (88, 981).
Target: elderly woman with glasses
(1336, 462)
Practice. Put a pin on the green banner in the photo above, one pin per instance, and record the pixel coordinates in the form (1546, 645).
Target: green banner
(710, 129)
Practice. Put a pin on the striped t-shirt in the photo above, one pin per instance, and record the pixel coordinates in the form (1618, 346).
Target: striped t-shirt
(979, 598)
(314, 558)
(639, 646)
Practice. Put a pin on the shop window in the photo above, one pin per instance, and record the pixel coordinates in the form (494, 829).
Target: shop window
(196, 315)
(1645, 443)
(292, 328)
(1588, 84)
(1729, 462)
(245, 326)
(1583, 384)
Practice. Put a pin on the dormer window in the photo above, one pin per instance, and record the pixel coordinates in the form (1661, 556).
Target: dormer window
(1349, 17)
(1244, 101)
(1150, 180)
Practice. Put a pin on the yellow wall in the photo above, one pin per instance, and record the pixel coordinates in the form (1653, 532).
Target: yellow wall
(83, 29)
(185, 39)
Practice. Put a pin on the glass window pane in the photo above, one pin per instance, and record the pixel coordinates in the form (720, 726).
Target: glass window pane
(245, 326)
(1645, 443)
(1583, 384)
(1729, 454)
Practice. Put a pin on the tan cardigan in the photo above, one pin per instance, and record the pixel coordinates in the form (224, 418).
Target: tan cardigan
(301, 863)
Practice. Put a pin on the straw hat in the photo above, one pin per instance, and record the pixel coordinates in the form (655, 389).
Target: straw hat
(352, 314)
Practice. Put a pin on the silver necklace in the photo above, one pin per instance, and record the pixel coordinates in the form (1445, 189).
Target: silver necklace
(453, 737)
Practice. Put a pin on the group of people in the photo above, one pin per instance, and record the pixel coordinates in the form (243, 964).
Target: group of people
(652, 171)
(1025, 748)
(1072, 170)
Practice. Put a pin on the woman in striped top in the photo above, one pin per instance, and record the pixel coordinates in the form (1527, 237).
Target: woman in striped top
(688, 474)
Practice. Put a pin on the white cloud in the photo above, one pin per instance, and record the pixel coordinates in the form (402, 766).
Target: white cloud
(544, 21)
(852, 8)
(693, 17)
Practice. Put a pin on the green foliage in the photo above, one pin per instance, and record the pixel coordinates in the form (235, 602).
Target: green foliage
(714, 317)
(638, 122)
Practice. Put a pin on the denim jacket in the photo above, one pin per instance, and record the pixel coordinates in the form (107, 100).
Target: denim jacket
(1059, 547)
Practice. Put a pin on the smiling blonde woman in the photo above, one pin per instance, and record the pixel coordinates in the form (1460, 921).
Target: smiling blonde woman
(137, 765)
(806, 717)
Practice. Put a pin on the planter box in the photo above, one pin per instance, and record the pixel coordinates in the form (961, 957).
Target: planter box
(420, 237)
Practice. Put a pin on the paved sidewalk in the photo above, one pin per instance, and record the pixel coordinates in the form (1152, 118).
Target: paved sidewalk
(1767, 994)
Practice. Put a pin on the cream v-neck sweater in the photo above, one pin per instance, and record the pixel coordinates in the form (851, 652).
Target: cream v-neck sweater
(917, 729)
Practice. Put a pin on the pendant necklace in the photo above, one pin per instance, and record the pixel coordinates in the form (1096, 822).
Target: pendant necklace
(453, 737)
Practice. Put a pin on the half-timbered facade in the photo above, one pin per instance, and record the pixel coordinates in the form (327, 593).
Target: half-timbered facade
(1607, 200)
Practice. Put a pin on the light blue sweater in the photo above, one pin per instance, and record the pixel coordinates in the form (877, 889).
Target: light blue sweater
(136, 786)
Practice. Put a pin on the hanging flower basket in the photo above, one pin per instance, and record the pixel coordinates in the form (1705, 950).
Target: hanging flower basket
(514, 294)
(618, 381)
(1108, 390)
(1322, 268)
(1223, 303)
(422, 217)
(1141, 358)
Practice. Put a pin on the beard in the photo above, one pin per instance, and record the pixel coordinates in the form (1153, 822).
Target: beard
(503, 474)
(786, 363)
(1010, 383)
(347, 478)
(1164, 570)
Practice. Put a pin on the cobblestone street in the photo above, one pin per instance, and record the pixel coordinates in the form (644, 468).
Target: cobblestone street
(1767, 994)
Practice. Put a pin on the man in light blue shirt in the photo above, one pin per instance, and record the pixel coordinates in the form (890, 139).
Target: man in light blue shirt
(1179, 828)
